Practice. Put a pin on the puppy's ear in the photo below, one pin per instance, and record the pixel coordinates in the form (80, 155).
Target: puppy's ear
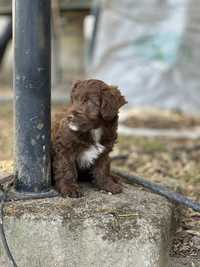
(111, 102)
(76, 83)
(75, 87)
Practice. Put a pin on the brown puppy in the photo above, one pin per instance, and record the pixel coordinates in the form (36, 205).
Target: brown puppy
(84, 135)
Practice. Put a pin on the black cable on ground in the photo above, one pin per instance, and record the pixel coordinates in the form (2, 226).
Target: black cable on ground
(2, 232)
(161, 190)
(15, 196)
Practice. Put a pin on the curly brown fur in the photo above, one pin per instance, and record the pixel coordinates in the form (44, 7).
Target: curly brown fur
(83, 136)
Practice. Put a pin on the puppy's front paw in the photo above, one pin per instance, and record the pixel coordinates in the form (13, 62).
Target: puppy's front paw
(70, 190)
(116, 179)
(112, 187)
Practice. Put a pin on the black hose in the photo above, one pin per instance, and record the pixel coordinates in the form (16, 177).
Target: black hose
(2, 233)
(15, 196)
(159, 189)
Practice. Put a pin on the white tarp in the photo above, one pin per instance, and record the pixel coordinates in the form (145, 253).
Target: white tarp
(151, 49)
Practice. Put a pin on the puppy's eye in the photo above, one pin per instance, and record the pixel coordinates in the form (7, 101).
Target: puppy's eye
(78, 113)
(85, 100)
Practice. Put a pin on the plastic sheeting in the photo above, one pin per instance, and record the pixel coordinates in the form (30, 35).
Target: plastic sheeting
(150, 49)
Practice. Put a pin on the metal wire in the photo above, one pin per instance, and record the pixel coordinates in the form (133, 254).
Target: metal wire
(161, 190)
(15, 196)
(2, 232)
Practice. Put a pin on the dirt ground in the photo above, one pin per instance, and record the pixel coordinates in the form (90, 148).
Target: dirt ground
(174, 163)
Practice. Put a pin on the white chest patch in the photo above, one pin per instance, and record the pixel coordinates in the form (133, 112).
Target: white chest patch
(87, 157)
(73, 126)
(97, 133)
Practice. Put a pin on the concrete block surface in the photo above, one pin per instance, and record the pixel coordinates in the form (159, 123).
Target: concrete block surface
(99, 229)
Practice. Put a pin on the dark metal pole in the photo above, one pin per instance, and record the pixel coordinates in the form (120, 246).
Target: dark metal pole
(32, 94)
